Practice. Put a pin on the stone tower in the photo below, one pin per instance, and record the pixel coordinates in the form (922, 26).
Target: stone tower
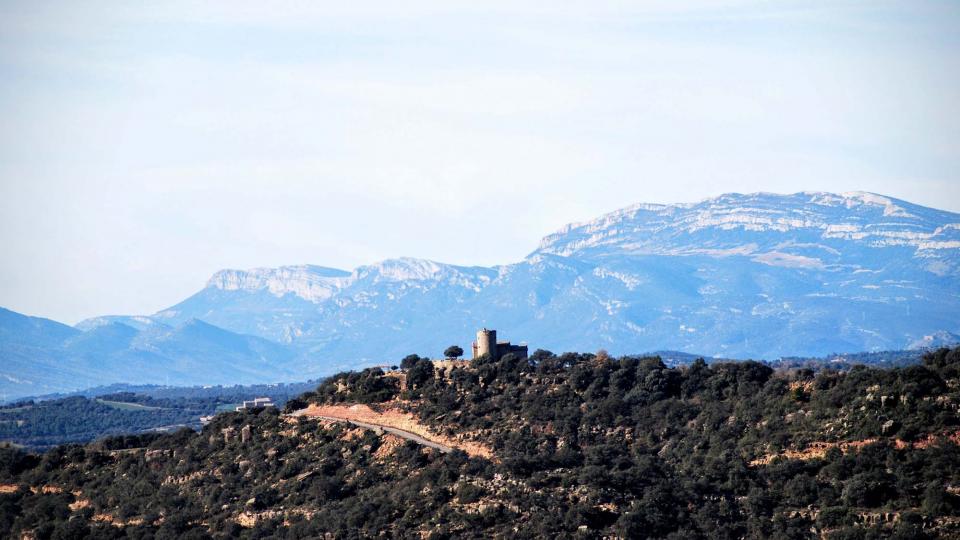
(486, 343)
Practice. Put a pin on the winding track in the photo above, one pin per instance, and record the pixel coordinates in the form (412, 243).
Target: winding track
(395, 431)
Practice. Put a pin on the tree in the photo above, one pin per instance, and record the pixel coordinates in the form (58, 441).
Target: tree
(294, 405)
(420, 373)
(409, 361)
(540, 354)
(870, 489)
(936, 500)
(453, 351)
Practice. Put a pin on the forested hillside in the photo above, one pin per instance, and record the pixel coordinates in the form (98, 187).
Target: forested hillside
(582, 446)
(40, 424)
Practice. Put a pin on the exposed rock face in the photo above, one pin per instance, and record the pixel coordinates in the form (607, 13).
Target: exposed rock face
(312, 283)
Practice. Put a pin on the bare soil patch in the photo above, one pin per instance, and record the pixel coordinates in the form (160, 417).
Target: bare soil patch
(394, 418)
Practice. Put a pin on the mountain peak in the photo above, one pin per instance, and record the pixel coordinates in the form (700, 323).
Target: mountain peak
(822, 221)
(19, 328)
(137, 322)
(310, 282)
(403, 269)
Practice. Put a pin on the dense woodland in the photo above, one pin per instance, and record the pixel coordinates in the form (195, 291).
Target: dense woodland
(43, 424)
(585, 446)
(879, 359)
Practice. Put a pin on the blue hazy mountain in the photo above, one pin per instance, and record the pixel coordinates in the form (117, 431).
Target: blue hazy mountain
(40, 356)
(757, 275)
(17, 329)
(736, 276)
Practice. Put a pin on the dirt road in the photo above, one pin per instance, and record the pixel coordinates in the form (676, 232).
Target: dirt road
(399, 423)
(398, 432)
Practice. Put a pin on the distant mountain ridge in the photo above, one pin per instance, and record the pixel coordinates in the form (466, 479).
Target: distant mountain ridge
(56, 357)
(819, 223)
(756, 275)
(735, 276)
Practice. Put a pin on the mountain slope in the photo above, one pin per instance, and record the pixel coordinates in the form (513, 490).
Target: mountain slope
(390, 300)
(758, 275)
(19, 329)
(40, 356)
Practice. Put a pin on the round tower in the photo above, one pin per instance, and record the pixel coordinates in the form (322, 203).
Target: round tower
(487, 343)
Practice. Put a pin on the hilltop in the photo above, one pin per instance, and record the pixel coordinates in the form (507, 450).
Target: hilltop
(576, 445)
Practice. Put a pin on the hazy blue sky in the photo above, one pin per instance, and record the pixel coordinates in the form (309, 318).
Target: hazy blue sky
(145, 145)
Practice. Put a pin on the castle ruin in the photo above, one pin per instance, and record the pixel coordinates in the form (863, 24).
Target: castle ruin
(487, 344)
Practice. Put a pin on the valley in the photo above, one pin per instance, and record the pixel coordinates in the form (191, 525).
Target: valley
(40, 424)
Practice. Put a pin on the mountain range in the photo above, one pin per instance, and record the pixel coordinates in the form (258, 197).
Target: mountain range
(736, 276)
(41, 356)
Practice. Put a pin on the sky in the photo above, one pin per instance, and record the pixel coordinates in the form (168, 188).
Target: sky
(143, 146)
